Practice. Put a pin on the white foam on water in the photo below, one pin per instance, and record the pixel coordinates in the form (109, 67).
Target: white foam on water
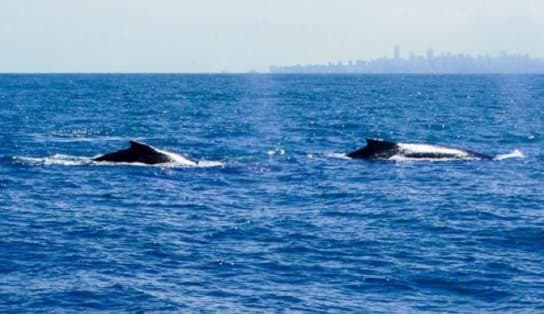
(57, 159)
(68, 160)
(513, 154)
(277, 151)
(209, 164)
(178, 159)
(337, 155)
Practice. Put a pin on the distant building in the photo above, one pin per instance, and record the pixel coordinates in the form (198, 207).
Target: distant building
(444, 62)
(396, 52)
(430, 53)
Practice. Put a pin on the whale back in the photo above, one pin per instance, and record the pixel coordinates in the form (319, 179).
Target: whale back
(137, 152)
(374, 149)
(380, 149)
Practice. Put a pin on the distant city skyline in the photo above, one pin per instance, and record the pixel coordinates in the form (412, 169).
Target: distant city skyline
(444, 62)
(195, 36)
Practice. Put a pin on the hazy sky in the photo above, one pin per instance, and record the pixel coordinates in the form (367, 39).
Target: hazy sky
(240, 35)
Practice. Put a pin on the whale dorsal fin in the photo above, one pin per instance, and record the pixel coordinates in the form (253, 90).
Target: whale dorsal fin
(379, 143)
(375, 148)
(138, 146)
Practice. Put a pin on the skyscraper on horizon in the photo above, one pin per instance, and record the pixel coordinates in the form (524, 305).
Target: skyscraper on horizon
(442, 62)
(430, 53)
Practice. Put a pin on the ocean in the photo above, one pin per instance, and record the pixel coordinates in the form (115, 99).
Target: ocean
(275, 218)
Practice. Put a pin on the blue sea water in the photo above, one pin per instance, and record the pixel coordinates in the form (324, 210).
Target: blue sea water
(282, 222)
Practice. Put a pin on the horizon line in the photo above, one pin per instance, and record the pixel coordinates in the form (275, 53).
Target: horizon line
(267, 73)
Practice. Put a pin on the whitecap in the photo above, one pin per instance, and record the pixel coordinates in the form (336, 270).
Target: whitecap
(513, 154)
(57, 159)
(277, 151)
(69, 160)
(337, 155)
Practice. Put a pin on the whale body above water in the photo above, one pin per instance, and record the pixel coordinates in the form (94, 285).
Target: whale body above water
(146, 154)
(381, 149)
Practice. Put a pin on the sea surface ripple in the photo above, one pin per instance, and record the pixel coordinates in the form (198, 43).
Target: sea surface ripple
(283, 222)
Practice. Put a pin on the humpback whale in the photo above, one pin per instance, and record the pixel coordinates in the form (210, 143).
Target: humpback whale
(142, 153)
(381, 149)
